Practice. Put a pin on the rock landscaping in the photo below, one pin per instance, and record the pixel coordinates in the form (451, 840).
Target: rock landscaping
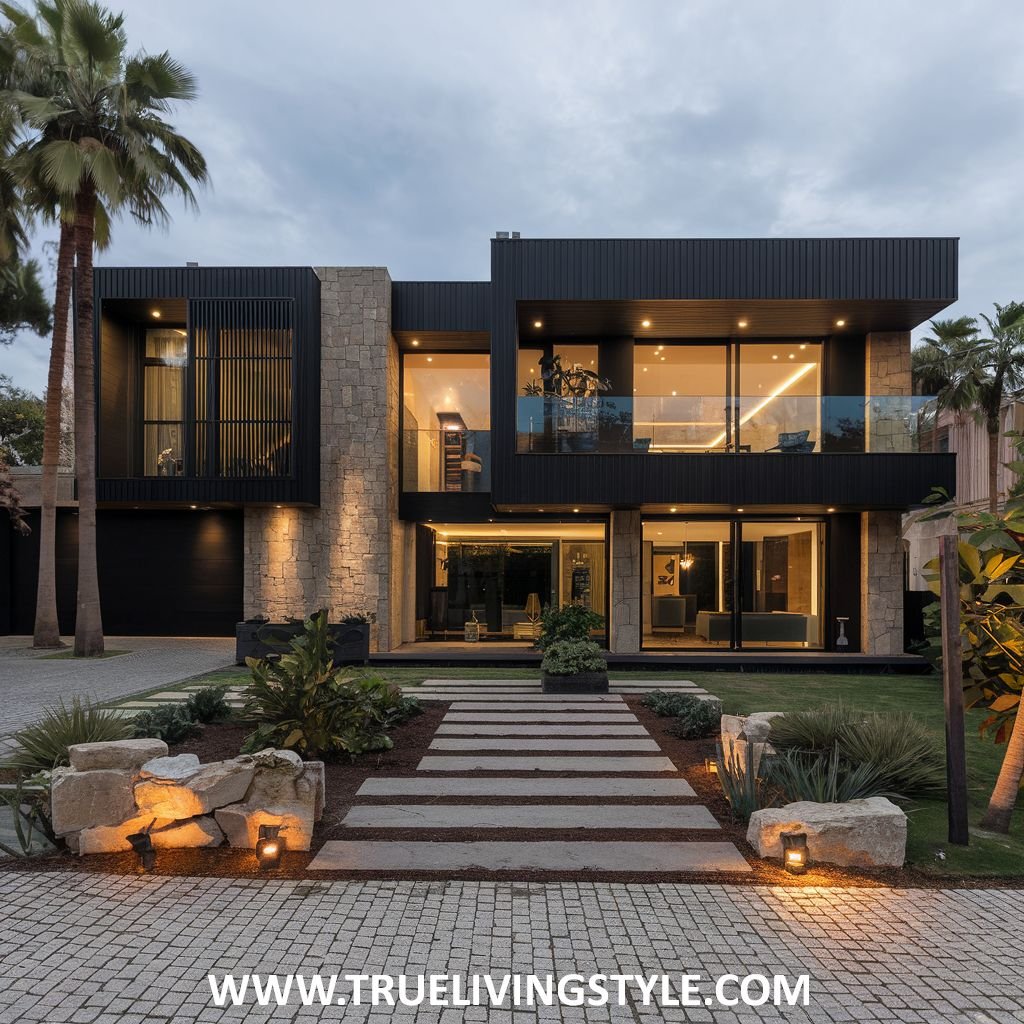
(746, 734)
(115, 789)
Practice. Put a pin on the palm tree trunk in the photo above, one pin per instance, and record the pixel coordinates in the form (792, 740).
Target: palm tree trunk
(88, 622)
(47, 630)
(1004, 796)
(993, 464)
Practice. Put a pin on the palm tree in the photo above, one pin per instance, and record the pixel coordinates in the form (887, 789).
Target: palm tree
(933, 363)
(98, 136)
(998, 365)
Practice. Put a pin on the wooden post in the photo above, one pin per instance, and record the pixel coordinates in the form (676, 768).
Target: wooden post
(953, 689)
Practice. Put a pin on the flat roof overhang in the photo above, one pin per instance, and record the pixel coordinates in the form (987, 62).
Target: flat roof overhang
(719, 318)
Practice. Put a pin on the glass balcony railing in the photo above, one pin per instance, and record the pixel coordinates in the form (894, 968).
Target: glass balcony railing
(698, 424)
(446, 461)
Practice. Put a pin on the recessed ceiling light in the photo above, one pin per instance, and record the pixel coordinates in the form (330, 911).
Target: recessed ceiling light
(645, 369)
(659, 533)
(673, 394)
(538, 323)
(673, 509)
(415, 341)
(840, 323)
(193, 506)
(575, 510)
(645, 323)
(775, 357)
(803, 346)
(830, 510)
(540, 510)
(792, 355)
(430, 359)
(156, 313)
(739, 510)
(741, 323)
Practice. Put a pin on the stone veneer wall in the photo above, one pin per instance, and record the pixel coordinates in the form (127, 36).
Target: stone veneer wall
(624, 629)
(881, 583)
(887, 355)
(341, 555)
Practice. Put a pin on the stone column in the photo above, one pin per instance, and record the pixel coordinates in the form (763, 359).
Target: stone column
(624, 599)
(339, 556)
(881, 583)
(887, 376)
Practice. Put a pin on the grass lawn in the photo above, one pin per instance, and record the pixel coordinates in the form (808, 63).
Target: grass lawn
(744, 692)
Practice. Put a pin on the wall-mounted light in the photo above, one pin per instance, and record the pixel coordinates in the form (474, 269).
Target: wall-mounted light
(269, 847)
(794, 852)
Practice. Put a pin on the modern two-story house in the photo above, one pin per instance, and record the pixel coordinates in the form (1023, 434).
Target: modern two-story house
(708, 442)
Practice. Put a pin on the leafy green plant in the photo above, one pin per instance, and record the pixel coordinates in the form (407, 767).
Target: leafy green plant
(302, 703)
(570, 622)
(44, 745)
(208, 705)
(572, 658)
(172, 723)
(740, 783)
(696, 717)
(358, 619)
(28, 800)
(901, 754)
(821, 777)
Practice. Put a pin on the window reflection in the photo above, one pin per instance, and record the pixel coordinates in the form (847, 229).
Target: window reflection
(163, 385)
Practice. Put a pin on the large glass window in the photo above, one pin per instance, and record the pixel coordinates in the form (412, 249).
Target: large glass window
(726, 584)
(446, 421)
(503, 574)
(779, 389)
(163, 401)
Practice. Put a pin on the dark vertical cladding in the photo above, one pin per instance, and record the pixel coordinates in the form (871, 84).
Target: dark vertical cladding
(441, 306)
(253, 387)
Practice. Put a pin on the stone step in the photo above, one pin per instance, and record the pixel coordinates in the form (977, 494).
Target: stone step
(552, 729)
(485, 785)
(655, 683)
(528, 694)
(516, 698)
(504, 716)
(497, 707)
(514, 744)
(564, 816)
(542, 763)
(569, 858)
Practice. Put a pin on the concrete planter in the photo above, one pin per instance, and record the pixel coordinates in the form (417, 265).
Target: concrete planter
(584, 682)
(259, 639)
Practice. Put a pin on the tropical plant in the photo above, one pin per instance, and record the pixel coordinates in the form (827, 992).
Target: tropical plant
(44, 745)
(822, 777)
(172, 723)
(95, 138)
(208, 704)
(570, 622)
(302, 703)
(904, 759)
(23, 302)
(933, 368)
(695, 717)
(572, 658)
(741, 785)
(28, 801)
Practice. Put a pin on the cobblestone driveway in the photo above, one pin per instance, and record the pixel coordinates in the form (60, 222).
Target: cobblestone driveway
(97, 948)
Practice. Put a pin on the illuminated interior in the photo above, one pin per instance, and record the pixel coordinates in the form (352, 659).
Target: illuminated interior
(491, 571)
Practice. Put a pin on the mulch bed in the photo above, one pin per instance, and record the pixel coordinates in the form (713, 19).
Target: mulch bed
(412, 740)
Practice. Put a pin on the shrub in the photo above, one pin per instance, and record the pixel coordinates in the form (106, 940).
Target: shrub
(572, 657)
(208, 705)
(303, 703)
(570, 622)
(696, 717)
(904, 759)
(740, 783)
(172, 723)
(822, 777)
(44, 746)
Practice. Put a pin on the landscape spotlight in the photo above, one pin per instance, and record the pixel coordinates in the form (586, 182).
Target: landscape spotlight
(269, 847)
(142, 844)
(794, 852)
(711, 765)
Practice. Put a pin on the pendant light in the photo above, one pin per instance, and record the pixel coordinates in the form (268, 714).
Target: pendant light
(686, 562)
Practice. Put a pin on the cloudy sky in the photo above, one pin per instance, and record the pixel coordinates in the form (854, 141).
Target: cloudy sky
(405, 134)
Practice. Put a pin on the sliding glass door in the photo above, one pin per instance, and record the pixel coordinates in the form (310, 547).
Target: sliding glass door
(730, 584)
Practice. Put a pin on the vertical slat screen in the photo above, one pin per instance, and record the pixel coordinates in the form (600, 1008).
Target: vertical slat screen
(243, 351)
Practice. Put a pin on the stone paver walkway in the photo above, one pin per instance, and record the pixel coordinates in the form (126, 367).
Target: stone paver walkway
(495, 761)
(129, 950)
(29, 682)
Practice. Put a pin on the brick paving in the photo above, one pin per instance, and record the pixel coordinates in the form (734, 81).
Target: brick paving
(101, 949)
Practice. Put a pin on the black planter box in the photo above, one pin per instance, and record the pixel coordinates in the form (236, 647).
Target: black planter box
(351, 642)
(585, 682)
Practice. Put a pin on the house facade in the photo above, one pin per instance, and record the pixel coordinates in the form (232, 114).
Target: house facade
(708, 442)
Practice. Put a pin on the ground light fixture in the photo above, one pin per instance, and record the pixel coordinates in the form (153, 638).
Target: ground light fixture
(794, 852)
(269, 847)
(142, 844)
(710, 766)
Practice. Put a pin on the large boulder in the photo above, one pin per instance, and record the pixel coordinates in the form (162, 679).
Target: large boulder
(743, 734)
(241, 823)
(870, 833)
(213, 785)
(314, 772)
(86, 799)
(128, 755)
(277, 772)
(177, 768)
(166, 835)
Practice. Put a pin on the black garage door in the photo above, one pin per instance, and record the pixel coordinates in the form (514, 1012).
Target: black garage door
(162, 573)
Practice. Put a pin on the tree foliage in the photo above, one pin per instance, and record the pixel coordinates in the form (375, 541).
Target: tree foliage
(21, 424)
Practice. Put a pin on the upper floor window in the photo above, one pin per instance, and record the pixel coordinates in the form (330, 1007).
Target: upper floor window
(163, 401)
